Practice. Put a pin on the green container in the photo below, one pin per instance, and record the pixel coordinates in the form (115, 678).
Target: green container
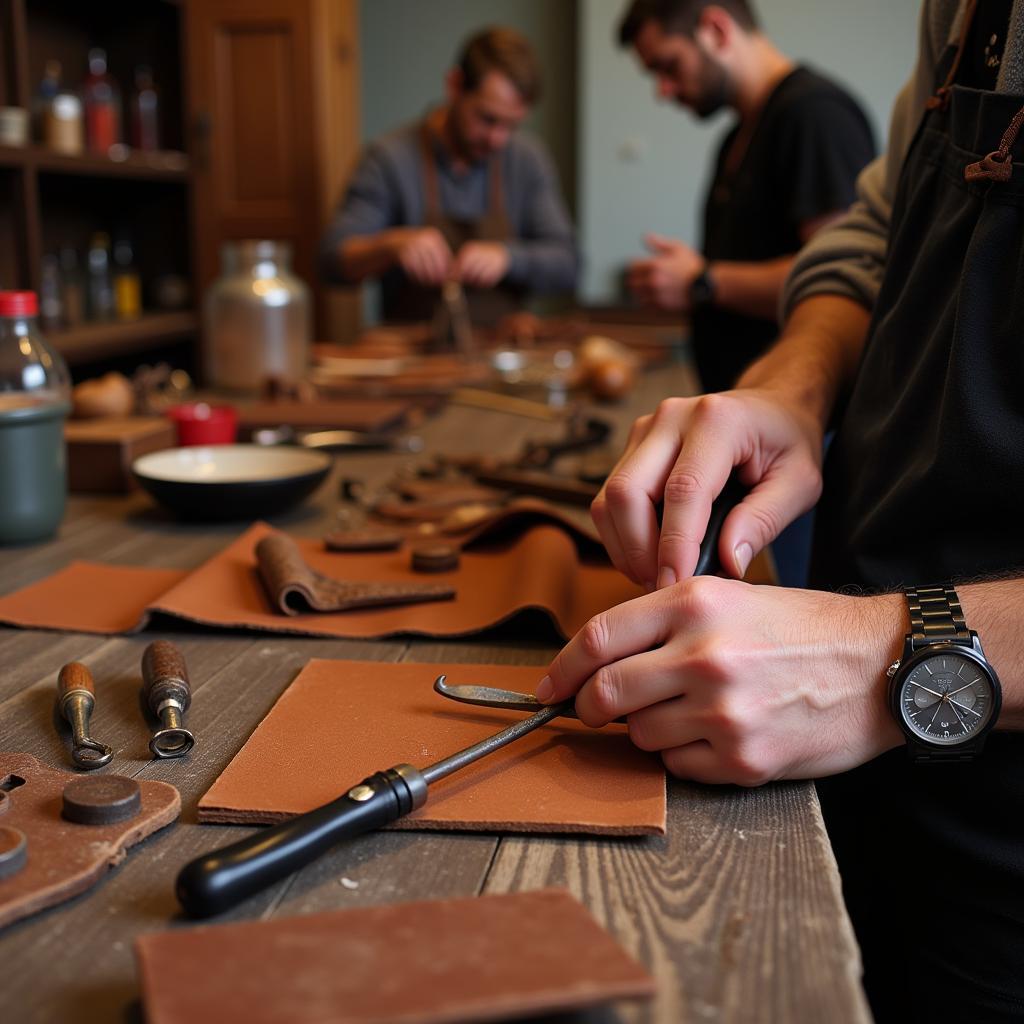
(33, 472)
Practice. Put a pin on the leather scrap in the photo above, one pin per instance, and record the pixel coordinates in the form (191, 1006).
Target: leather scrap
(492, 957)
(294, 588)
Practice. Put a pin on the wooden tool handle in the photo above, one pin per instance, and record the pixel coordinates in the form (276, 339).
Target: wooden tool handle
(74, 676)
(164, 675)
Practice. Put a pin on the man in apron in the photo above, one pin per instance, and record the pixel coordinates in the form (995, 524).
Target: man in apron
(904, 330)
(462, 195)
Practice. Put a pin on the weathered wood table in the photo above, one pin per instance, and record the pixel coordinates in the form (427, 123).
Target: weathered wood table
(737, 910)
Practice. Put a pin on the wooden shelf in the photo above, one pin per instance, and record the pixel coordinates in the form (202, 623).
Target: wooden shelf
(118, 337)
(167, 165)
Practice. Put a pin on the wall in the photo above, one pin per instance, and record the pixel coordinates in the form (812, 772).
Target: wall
(643, 164)
(407, 45)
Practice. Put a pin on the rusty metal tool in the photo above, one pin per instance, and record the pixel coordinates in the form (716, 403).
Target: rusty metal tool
(167, 692)
(76, 698)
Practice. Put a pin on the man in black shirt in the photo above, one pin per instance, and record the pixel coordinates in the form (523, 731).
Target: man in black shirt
(785, 169)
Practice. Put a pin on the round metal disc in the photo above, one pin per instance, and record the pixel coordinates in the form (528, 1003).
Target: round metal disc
(435, 558)
(13, 850)
(101, 800)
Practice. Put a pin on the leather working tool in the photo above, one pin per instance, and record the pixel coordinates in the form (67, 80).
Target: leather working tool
(167, 693)
(76, 696)
(219, 880)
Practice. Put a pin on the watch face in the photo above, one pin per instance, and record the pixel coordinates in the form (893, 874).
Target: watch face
(946, 699)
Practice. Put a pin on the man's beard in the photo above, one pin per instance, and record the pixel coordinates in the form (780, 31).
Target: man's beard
(716, 89)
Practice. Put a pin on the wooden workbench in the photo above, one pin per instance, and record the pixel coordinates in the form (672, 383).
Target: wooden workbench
(736, 911)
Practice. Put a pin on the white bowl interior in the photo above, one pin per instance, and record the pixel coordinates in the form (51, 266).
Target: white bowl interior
(229, 463)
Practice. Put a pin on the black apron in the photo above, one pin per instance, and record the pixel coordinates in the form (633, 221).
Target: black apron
(925, 482)
(416, 302)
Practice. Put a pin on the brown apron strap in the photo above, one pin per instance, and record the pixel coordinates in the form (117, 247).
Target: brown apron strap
(431, 191)
(998, 165)
(941, 97)
(496, 200)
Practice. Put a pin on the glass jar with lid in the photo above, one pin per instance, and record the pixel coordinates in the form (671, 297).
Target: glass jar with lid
(256, 318)
(34, 402)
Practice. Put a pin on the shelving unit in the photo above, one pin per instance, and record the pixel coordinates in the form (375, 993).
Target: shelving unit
(51, 200)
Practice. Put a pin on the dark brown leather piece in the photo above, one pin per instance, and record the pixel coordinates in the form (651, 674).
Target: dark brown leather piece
(340, 721)
(493, 957)
(294, 588)
(66, 858)
(434, 962)
(370, 415)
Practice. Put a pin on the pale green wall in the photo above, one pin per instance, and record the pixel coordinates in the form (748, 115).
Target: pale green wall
(643, 164)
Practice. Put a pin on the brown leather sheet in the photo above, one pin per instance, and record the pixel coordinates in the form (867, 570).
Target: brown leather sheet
(371, 415)
(494, 957)
(540, 569)
(340, 721)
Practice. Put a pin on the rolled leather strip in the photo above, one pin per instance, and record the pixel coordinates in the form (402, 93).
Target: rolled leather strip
(296, 589)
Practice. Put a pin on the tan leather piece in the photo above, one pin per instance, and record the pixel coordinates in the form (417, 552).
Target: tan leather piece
(295, 588)
(65, 858)
(340, 721)
(539, 569)
(371, 415)
(494, 957)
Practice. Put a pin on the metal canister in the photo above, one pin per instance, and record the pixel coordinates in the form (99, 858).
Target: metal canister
(257, 319)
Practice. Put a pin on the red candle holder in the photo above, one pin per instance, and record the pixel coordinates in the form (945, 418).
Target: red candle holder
(201, 423)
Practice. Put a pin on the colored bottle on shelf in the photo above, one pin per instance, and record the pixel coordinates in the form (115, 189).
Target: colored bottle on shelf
(102, 100)
(51, 301)
(72, 288)
(101, 290)
(58, 113)
(34, 402)
(127, 288)
(145, 112)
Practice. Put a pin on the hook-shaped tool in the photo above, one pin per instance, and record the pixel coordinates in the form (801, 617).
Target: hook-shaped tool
(76, 695)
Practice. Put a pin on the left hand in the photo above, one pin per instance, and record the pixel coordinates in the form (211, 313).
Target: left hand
(481, 264)
(734, 683)
(663, 280)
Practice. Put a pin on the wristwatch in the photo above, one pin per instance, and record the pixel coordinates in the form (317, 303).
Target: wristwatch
(702, 289)
(943, 692)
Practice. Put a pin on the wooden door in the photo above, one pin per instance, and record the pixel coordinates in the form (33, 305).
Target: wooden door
(273, 100)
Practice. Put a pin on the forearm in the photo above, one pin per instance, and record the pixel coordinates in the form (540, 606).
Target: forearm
(813, 363)
(995, 610)
(363, 256)
(752, 289)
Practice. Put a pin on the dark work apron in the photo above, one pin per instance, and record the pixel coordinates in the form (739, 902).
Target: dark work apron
(486, 305)
(925, 482)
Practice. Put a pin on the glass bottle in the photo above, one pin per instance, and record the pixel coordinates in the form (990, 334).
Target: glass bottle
(51, 302)
(127, 289)
(102, 100)
(35, 393)
(257, 319)
(101, 290)
(72, 288)
(145, 112)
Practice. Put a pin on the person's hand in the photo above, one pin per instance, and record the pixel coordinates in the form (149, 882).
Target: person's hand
(424, 255)
(663, 279)
(734, 683)
(481, 264)
(682, 455)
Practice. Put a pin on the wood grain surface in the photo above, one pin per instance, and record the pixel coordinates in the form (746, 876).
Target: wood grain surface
(737, 911)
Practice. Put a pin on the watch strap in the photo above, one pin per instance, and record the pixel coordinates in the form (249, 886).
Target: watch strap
(936, 616)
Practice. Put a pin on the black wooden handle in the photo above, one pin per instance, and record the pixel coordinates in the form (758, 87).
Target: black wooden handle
(217, 881)
(708, 561)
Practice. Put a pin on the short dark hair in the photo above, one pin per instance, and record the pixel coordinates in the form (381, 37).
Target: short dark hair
(680, 17)
(506, 51)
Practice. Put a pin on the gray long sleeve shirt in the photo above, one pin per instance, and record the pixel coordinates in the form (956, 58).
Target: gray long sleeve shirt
(387, 191)
(848, 257)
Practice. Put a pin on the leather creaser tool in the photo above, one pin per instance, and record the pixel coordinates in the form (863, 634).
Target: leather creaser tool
(219, 880)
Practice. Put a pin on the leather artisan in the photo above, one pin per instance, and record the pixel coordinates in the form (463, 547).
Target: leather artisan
(340, 721)
(294, 588)
(487, 958)
(538, 568)
(64, 857)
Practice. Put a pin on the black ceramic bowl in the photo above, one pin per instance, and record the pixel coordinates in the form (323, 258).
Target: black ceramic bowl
(230, 481)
